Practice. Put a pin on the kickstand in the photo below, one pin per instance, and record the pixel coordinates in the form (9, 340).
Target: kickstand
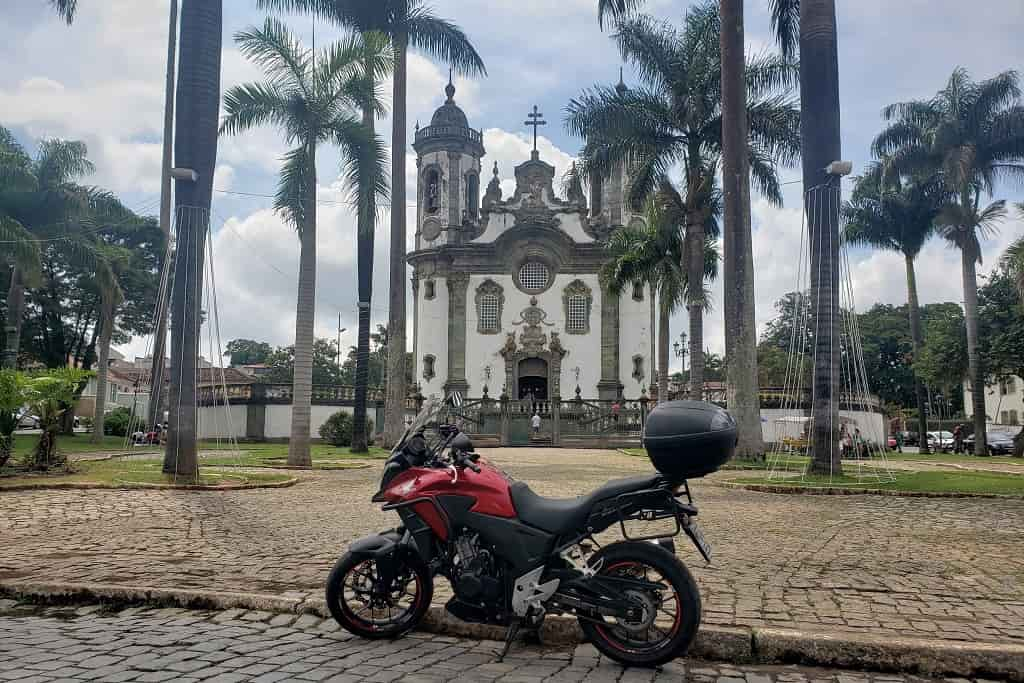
(510, 636)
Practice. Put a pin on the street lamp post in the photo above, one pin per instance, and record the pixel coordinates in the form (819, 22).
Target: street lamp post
(340, 330)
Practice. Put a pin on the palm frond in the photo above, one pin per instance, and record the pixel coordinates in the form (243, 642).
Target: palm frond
(443, 40)
(65, 9)
(61, 161)
(364, 162)
(786, 26)
(18, 244)
(297, 179)
(250, 105)
(278, 52)
(652, 47)
(615, 9)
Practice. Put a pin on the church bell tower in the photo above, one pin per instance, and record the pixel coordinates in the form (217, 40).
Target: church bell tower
(448, 176)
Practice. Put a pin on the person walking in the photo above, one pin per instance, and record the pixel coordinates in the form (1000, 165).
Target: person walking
(535, 422)
(958, 439)
(899, 442)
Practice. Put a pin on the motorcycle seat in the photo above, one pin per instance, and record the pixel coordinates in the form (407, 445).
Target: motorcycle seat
(564, 515)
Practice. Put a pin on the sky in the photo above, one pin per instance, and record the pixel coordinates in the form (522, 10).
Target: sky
(102, 81)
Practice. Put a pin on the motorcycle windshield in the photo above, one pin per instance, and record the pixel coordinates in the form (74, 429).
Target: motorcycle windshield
(430, 413)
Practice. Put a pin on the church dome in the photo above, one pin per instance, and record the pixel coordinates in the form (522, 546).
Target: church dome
(449, 113)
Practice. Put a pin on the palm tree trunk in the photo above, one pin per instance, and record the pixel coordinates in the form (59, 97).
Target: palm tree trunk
(364, 266)
(695, 281)
(106, 331)
(656, 366)
(196, 149)
(917, 339)
(819, 129)
(302, 379)
(664, 316)
(741, 386)
(156, 373)
(15, 313)
(968, 260)
(394, 410)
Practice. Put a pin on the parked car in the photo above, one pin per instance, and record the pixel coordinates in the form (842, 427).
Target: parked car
(999, 443)
(911, 439)
(942, 441)
(891, 441)
(28, 421)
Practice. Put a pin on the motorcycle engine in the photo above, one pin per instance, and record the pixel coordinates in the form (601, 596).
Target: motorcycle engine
(476, 579)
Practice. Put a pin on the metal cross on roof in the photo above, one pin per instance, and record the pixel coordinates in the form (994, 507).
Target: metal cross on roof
(536, 121)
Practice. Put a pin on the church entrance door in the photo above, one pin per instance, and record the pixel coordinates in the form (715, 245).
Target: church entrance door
(533, 379)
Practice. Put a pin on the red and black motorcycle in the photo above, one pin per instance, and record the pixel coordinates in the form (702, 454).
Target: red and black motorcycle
(512, 557)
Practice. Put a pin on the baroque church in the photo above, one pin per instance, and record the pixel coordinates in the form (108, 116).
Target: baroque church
(506, 290)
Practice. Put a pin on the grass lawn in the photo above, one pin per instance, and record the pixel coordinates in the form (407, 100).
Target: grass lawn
(77, 444)
(126, 473)
(924, 482)
(270, 454)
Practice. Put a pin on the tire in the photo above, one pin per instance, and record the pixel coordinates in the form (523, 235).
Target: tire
(611, 639)
(353, 621)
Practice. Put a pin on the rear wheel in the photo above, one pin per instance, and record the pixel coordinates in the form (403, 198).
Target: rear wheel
(669, 614)
(364, 604)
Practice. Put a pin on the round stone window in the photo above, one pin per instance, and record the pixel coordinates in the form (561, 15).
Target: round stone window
(534, 277)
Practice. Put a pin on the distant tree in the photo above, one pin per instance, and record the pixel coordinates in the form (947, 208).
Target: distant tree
(281, 364)
(248, 351)
(942, 362)
(1013, 261)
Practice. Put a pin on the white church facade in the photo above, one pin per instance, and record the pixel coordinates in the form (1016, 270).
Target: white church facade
(506, 290)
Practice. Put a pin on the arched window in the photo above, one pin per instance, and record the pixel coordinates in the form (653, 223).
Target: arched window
(428, 367)
(472, 195)
(638, 291)
(577, 301)
(432, 191)
(490, 299)
(429, 290)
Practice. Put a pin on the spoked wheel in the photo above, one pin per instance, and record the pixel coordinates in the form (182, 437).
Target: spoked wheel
(667, 614)
(368, 606)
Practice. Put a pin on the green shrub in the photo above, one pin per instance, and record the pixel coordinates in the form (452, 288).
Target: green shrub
(119, 420)
(337, 429)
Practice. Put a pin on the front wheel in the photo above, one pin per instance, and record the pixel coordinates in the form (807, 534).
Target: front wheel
(370, 606)
(670, 606)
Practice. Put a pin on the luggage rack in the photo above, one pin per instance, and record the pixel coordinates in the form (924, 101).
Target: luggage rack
(649, 505)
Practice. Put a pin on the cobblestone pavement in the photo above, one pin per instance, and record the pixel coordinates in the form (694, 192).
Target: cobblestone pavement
(69, 644)
(917, 567)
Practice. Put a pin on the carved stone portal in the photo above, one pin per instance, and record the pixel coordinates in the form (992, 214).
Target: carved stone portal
(533, 343)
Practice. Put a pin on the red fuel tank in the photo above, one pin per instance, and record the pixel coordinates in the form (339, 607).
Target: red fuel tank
(489, 488)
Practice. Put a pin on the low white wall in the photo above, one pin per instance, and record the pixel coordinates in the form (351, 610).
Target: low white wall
(279, 420)
(222, 422)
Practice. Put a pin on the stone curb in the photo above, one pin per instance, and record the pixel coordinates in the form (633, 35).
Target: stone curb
(86, 485)
(843, 491)
(739, 645)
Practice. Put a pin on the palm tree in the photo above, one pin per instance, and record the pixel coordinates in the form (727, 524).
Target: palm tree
(407, 23)
(897, 215)
(111, 297)
(970, 135)
(654, 255)
(676, 118)
(314, 98)
(44, 202)
(195, 142)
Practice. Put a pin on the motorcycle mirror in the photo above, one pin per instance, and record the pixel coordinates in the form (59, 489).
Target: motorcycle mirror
(455, 398)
